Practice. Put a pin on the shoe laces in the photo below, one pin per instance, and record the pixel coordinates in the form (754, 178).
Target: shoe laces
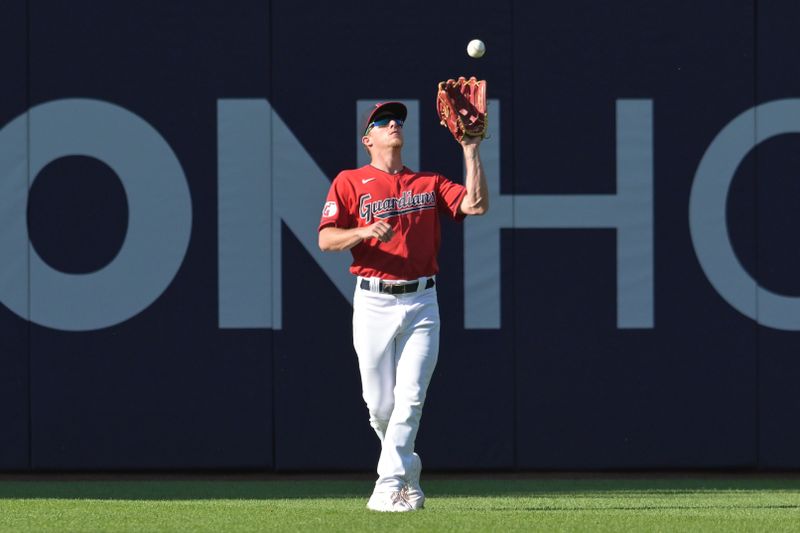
(400, 496)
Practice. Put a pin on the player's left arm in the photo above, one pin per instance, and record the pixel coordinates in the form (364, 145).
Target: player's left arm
(476, 200)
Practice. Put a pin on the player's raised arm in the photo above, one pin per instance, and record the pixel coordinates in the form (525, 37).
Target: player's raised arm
(461, 105)
(476, 201)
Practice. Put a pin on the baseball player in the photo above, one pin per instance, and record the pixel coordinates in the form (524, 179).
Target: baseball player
(387, 215)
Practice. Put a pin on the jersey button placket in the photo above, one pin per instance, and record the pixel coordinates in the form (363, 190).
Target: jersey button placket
(399, 194)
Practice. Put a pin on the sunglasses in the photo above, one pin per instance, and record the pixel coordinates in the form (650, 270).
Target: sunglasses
(383, 122)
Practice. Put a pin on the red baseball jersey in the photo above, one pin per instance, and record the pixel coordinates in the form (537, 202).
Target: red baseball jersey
(410, 201)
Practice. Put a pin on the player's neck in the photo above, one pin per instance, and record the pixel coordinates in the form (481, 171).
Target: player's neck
(388, 161)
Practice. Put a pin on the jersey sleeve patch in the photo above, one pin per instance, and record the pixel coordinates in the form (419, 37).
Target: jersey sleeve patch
(330, 210)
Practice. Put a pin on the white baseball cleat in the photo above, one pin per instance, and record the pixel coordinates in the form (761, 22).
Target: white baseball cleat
(389, 502)
(413, 492)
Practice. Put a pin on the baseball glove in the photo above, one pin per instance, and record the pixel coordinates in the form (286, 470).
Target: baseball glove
(461, 105)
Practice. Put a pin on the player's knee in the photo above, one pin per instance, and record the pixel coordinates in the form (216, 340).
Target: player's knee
(379, 404)
(381, 412)
(408, 410)
(379, 425)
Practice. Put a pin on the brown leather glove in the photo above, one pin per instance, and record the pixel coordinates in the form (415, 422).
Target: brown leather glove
(461, 105)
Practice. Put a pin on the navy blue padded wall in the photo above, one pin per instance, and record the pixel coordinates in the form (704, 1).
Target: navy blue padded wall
(591, 395)
(558, 385)
(14, 345)
(778, 200)
(167, 388)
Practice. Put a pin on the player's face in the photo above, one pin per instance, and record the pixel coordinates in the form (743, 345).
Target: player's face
(387, 132)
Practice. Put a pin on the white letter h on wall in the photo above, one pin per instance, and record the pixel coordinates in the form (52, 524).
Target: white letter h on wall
(629, 211)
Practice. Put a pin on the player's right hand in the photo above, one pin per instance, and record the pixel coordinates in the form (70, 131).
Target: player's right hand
(380, 230)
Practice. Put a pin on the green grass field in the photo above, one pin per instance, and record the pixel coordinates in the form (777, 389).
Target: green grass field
(543, 503)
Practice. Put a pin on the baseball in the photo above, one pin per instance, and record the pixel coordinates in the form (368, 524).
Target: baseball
(476, 48)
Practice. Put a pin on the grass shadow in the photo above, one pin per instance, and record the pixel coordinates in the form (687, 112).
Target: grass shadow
(183, 489)
(331, 488)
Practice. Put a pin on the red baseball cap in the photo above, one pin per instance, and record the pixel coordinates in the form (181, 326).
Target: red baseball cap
(395, 109)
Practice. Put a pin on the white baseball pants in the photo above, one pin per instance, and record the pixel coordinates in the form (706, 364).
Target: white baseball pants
(396, 338)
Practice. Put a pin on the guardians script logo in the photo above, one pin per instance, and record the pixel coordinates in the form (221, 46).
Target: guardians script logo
(390, 207)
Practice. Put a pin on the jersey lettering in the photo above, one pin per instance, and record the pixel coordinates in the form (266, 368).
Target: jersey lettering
(411, 202)
(392, 207)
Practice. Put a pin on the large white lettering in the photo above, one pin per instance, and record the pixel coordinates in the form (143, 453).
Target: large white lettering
(267, 180)
(159, 215)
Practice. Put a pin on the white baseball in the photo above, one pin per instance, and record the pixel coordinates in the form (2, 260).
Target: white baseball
(476, 48)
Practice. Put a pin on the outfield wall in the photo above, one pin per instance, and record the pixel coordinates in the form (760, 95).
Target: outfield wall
(630, 301)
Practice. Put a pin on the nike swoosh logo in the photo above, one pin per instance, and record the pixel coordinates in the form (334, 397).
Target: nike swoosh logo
(367, 180)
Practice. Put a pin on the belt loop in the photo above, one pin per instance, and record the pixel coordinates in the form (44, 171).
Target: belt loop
(421, 282)
(375, 284)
